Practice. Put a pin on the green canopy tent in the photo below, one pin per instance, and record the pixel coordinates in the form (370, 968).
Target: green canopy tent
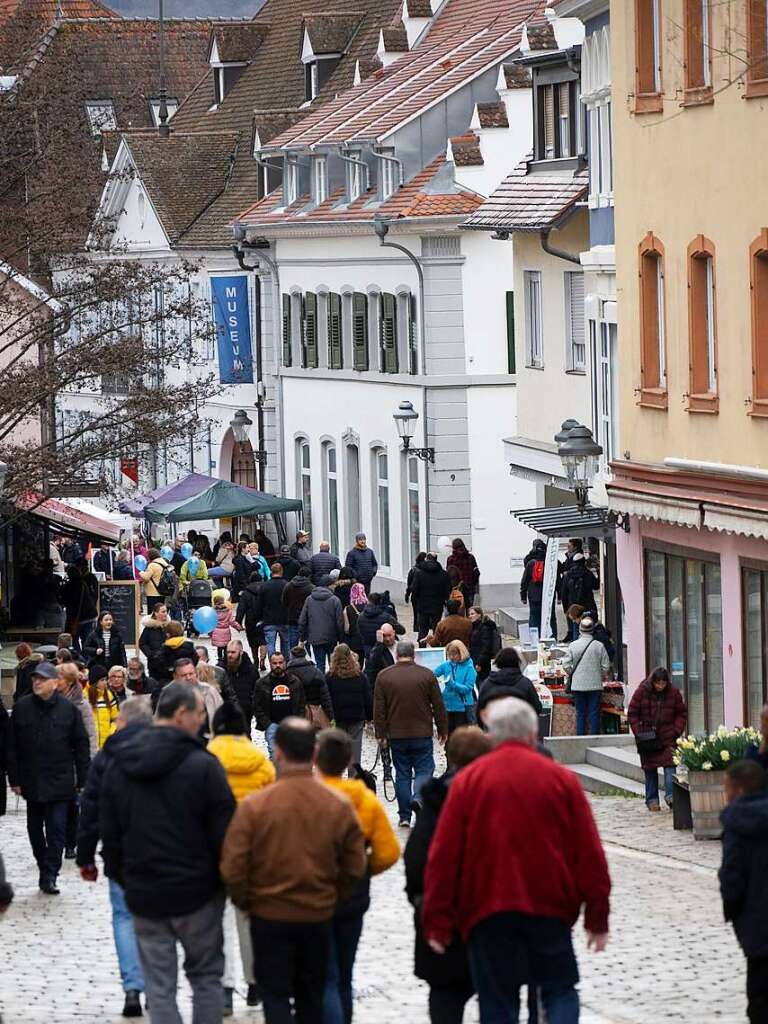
(222, 499)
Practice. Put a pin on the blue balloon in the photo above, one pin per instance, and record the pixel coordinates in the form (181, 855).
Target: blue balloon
(192, 566)
(166, 552)
(204, 619)
(140, 562)
(186, 550)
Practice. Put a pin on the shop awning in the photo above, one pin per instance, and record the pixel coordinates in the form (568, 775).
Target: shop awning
(70, 518)
(190, 486)
(568, 521)
(220, 499)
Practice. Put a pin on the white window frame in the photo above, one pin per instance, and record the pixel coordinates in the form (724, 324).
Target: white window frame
(355, 176)
(388, 179)
(291, 193)
(705, 43)
(319, 179)
(413, 487)
(657, 45)
(314, 79)
(573, 363)
(564, 120)
(304, 476)
(101, 116)
(332, 488)
(382, 492)
(534, 325)
(660, 306)
(606, 387)
(711, 367)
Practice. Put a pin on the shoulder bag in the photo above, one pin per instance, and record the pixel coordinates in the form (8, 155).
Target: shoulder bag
(649, 742)
(573, 670)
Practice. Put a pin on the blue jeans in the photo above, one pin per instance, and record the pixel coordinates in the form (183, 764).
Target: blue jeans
(46, 828)
(337, 996)
(587, 712)
(269, 736)
(573, 630)
(321, 653)
(271, 633)
(125, 940)
(293, 637)
(414, 765)
(652, 785)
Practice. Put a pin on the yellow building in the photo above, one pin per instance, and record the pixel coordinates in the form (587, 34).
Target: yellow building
(690, 129)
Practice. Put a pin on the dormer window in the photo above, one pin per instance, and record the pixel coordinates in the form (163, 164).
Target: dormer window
(355, 176)
(556, 120)
(291, 182)
(225, 72)
(154, 107)
(389, 178)
(323, 41)
(101, 116)
(319, 179)
(557, 111)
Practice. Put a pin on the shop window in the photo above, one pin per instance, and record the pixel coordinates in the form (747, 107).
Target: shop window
(309, 333)
(359, 331)
(684, 631)
(653, 373)
(702, 326)
(335, 358)
(648, 82)
(388, 333)
(757, 48)
(576, 345)
(698, 58)
(754, 584)
(534, 329)
(758, 254)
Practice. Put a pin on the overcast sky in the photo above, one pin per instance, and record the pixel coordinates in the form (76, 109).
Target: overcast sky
(187, 8)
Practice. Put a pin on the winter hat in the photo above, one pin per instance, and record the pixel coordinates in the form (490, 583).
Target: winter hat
(95, 673)
(357, 594)
(586, 625)
(334, 574)
(228, 720)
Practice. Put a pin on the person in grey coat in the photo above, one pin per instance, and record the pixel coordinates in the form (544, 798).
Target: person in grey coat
(323, 563)
(587, 664)
(321, 623)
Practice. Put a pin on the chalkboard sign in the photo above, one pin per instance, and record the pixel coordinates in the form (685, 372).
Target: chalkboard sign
(121, 598)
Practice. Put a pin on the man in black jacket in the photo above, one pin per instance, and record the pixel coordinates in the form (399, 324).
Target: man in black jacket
(382, 655)
(48, 756)
(271, 612)
(165, 808)
(135, 716)
(279, 695)
(313, 681)
(507, 681)
(293, 597)
(242, 678)
(323, 563)
(430, 589)
(290, 564)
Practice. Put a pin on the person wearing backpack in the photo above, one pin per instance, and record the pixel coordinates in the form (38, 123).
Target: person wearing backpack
(587, 664)
(158, 573)
(532, 583)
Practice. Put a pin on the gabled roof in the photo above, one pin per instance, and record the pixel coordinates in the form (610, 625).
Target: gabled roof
(183, 173)
(236, 43)
(530, 202)
(464, 40)
(331, 33)
(466, 150)
(492, 115)
(419, 8)
(516, 76)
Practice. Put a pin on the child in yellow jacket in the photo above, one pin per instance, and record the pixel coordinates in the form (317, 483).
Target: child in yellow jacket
(248, 770)
(334, 756)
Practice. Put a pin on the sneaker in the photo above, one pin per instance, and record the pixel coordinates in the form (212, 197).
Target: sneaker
(254, 995)
(70, 853)
(228, 1008)
(132, 1007)
(653, 807)
(404, 823)
(668, 802)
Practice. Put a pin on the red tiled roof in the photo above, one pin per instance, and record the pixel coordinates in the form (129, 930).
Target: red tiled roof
(530, 202)
(466, 150)
(492, 115)
(465, 39)
(417, 198)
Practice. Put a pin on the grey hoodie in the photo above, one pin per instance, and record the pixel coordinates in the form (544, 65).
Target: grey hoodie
(321, 620)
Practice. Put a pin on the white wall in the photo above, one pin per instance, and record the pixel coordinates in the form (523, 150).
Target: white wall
(487, 277)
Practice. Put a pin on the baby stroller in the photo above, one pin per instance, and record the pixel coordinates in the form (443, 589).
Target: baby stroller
(196, 595)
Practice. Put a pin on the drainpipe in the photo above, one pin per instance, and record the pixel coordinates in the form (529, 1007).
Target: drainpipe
(381, 228)
(561, 254)
(392, 160)
(358, 163)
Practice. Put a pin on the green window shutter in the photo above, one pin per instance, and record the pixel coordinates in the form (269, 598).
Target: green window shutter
(388, 332)
(413, 354)
(511, 332)
(310, 330)
(334, 331)
(359, 331)
(286, 330)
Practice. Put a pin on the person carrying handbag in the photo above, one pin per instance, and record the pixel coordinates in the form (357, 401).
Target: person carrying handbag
(657, 716)
(587, 664)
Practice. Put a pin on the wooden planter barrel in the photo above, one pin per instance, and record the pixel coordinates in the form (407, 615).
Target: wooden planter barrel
(707, 791)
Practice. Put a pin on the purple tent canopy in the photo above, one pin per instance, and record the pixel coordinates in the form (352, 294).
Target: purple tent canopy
(190, 486)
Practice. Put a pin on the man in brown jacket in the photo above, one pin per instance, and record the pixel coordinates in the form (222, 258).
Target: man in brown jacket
(452, 627)
(292, 851)
(406, 701)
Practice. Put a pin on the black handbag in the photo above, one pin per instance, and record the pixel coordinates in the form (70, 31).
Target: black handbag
(649, 742)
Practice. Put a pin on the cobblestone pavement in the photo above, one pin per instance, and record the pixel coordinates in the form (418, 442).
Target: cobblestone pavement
(671, 957)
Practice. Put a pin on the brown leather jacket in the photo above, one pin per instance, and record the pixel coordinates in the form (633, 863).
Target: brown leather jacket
(293, 850)
(406, 701)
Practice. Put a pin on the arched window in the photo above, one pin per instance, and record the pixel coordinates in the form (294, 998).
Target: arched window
(381, 492)
(414, 506)
(304, 481)
(354, 515)
(331, 496)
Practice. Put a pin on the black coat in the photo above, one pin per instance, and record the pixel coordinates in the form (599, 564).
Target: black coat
(248, 607)
(169, 655)
(431, 587)
(530, 589)
(352, 631)
(4, 726)
(293, 597)
(263, 690)
(24, 671)
(578, 585)
(313, 681)
(269, 608)
(164, 811)
(290, 566)
(242, 573)
(322, 564)
(508, 682)
(88, 822)
(116, 654)
(452, 967)
(151, 640)
(744, 871)
(482, 641)
(379, 658)
(351, 698)
(48, 751)
(370, 621)
(80, 596)
(243, 680)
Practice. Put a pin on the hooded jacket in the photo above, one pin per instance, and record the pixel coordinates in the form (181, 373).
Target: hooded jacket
(744, 869)
(165, 808)
(665, 713)
(530, 589)
(313, 681)
(242, 681)
(321, 621)
(459, 689)
(363, 564)
(174, 648)
(431, 587)
(371, 619)
(47, 749)
(247, 768)
(248, 607)
(114, 656)
(578, 585)
(466, 563)
(290, 566)
(151, 641)
(483, 643)
(508, 682)
(294, 594)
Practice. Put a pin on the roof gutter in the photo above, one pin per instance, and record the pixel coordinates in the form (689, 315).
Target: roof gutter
(561, 254)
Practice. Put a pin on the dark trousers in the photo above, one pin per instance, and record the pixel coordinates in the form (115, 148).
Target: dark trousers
(290, 959)
(587, 711)
(757, 990)
(427, 621)
(455, 719)
(46, 828)
(321, 654)
(73, 817)
(446, 1004)
(345, 937)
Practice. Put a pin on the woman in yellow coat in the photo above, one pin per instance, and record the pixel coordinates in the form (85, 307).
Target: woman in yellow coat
(103, 704)
(248, 770)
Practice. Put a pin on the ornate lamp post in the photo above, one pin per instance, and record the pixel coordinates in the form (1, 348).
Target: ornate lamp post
(405, 417)
(579, 454)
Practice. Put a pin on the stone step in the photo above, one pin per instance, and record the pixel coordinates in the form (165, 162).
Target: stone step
(573, 749)
(619, 760)
(598, 780)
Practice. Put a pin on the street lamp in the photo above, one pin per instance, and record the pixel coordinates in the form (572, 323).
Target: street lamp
(579, 454)
(405, 418)
(241, 425)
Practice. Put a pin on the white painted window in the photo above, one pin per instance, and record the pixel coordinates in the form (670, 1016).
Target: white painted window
(564, 118)
(355, 177)
(332, 498)
(576, 348)
(534, 332)
(101, 116)
(388, 177)
(662, 322)
(414, 507)
(656, 5)
(319, 179)
(607, 399)
(381, 471)
(711, 371)
(705, 32)
(305, 480)
(291, 184)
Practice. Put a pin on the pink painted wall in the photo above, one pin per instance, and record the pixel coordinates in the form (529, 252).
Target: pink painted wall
(731, 548)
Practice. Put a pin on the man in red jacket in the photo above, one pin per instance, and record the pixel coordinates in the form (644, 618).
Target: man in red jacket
(515, 856)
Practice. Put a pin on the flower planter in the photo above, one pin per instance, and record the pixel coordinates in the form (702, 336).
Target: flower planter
(707, 801)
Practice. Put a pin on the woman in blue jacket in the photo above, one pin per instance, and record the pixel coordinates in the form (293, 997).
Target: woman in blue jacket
(459, 693)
